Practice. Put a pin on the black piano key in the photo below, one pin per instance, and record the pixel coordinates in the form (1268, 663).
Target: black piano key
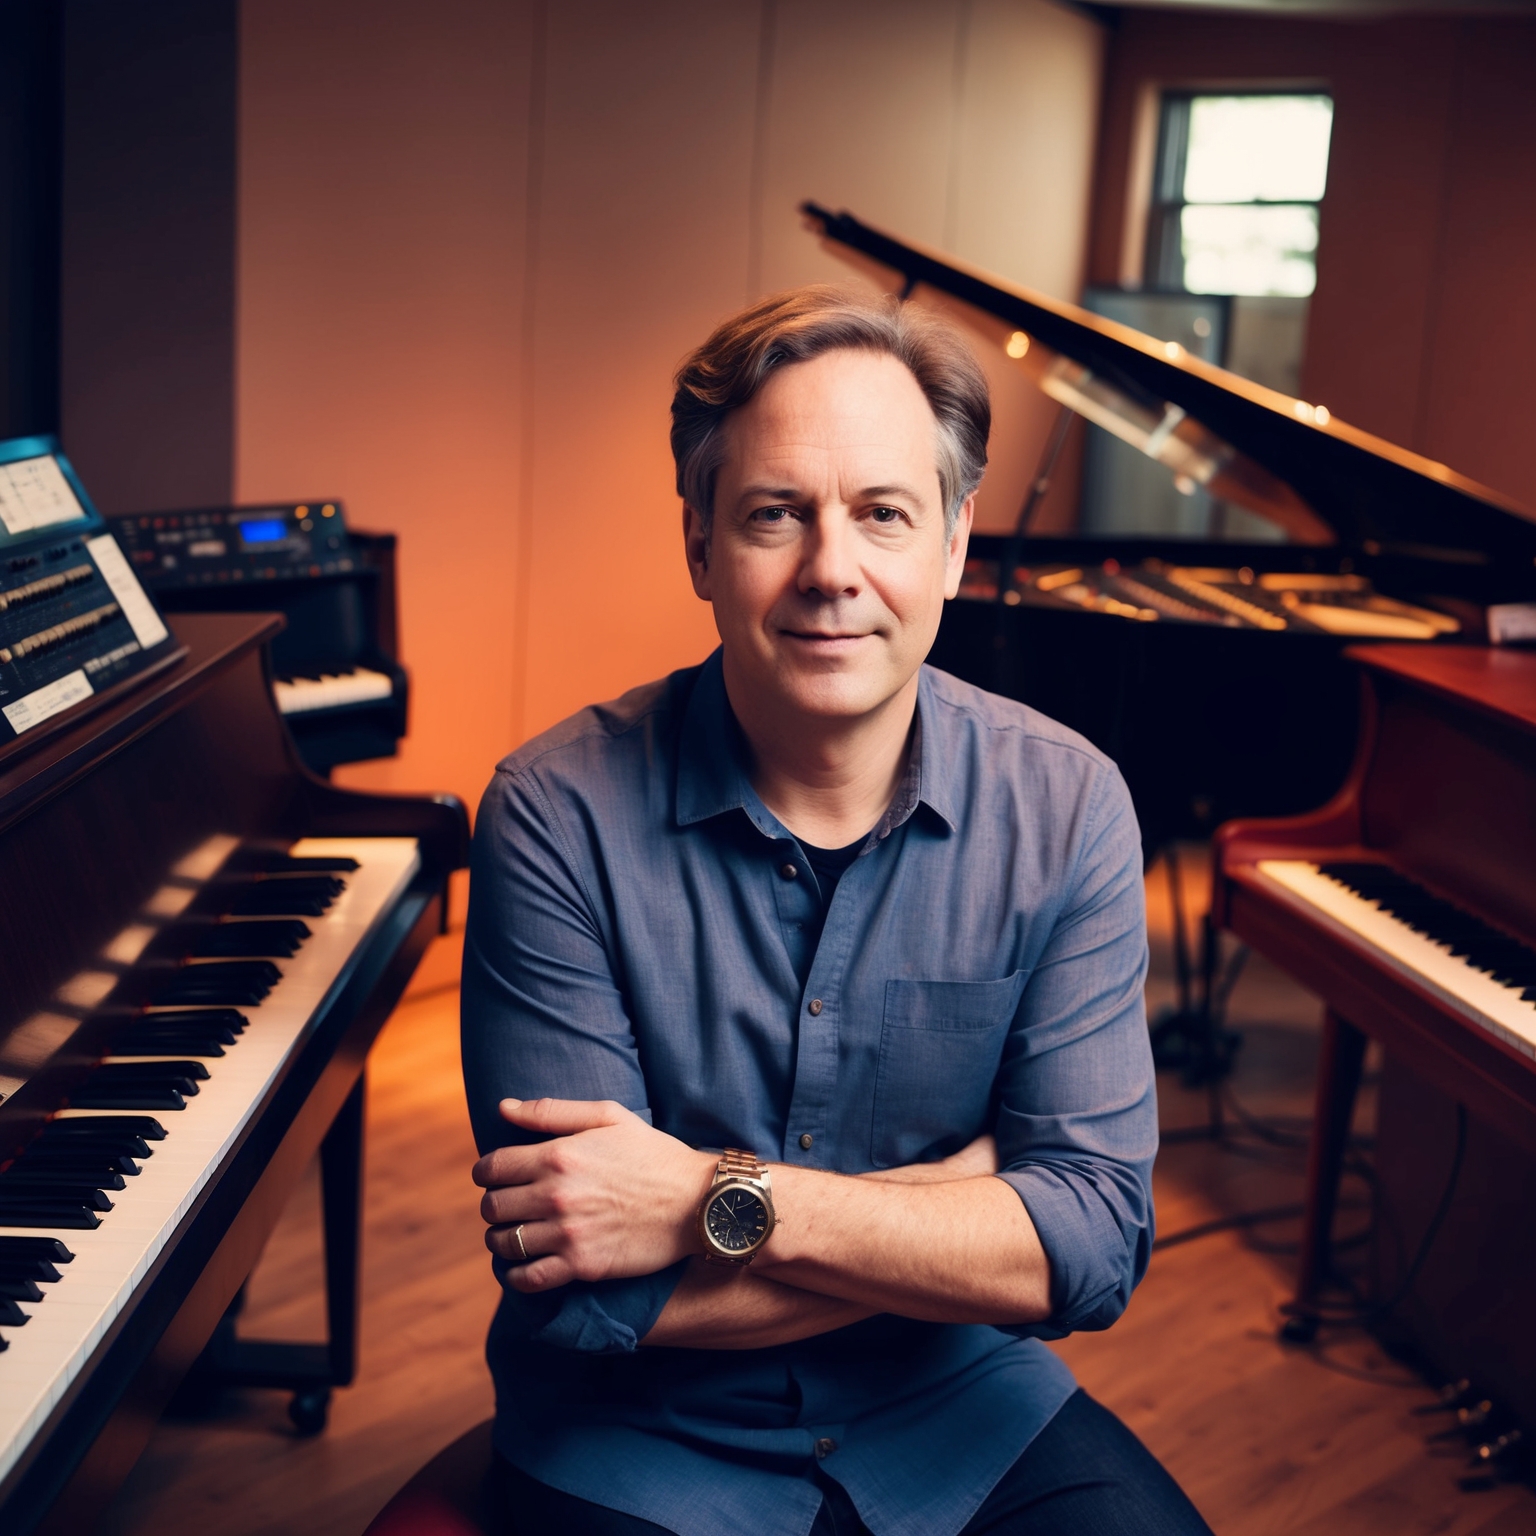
(272, 900)
(103, 1127)
(21, 1175)
(11, 1316)
(273, 861)
(261, 936)
(63, 1213)
(20, 1290)
(43, 1154)
(115, 1144)
(49, 1248)
(152, 1072)
(214, 1018)
(19, 1193)
(171, 1043)
(43, 1270)
(126, 1096)
(236, 982)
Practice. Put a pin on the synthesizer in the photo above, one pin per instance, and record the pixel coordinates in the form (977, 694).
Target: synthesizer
(337, 677)
(75, 622)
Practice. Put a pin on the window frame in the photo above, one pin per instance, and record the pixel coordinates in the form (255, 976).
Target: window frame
(1163, 257)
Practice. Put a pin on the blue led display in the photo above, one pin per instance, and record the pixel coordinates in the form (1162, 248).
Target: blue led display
(268, 531)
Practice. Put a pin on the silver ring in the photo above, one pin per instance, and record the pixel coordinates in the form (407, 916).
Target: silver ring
(517, 1232)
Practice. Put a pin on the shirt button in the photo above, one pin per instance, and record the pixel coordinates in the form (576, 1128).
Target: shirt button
(806, 1139)
(815, 1006)
(788, 871)
(824, 1447)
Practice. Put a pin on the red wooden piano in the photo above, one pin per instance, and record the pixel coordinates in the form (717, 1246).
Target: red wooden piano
(1408, 904)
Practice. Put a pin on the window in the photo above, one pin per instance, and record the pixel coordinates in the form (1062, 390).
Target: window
(1236, 188)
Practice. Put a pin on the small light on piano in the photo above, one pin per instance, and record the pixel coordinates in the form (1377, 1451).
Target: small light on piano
(1302, 409)
(1173, 349)
(327, 510)
(1321, 415)
(1018, 344)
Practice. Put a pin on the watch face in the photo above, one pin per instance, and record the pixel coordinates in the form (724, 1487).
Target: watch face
(737, 1220)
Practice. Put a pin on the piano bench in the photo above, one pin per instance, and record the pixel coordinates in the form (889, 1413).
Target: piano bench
(447, 1497)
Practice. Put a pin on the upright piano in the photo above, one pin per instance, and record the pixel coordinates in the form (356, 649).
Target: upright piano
(1408, 904)
(199, 940)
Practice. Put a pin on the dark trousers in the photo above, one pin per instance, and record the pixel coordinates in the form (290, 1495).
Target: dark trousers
(1084, 1474)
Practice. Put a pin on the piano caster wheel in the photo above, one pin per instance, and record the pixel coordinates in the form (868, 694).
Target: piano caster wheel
(309, 1409)
(1300, 1329)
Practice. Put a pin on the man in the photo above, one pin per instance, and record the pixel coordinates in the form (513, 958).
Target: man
(803, 1023)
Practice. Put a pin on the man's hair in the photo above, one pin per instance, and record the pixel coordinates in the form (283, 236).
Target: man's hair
(735, 362)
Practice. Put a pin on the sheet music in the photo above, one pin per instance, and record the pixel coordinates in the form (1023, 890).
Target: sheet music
(118, 574)
(34, 494)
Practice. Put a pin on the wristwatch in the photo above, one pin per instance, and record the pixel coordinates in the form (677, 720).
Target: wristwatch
(736, 1217)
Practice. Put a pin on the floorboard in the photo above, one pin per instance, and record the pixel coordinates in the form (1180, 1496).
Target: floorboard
(1266, 1439)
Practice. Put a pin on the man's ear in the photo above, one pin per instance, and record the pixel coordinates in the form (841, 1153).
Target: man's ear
(696, 548)
(959, 543)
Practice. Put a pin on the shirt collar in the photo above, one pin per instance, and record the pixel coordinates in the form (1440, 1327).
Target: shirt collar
(712, 761)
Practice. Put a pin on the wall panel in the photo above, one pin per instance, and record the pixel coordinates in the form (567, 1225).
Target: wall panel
(383, 157)
(476, 241)
(642, 245)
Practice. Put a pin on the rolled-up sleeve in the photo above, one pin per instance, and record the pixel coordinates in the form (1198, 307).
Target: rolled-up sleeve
(1077, 1117)
(543, 1016)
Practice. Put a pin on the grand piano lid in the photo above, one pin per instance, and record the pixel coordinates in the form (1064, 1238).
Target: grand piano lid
(1320, 480)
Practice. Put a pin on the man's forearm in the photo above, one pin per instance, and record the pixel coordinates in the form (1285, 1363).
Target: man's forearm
(962, 1251)
(715, 1308)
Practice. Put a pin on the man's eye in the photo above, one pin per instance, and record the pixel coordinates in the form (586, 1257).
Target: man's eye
(886, 515)
(770, 514)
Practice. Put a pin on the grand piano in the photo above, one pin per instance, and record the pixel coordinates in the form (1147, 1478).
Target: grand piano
(199, 940)
(1376, 803)
(1212, 669)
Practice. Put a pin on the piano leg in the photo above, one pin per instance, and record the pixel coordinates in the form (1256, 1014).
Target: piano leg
(310, 1371)
(1340, 1058)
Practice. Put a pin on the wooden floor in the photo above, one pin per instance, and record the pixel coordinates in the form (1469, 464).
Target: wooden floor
(1266, 1439)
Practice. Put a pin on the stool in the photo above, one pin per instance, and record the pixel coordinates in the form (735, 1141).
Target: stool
(447, 1497)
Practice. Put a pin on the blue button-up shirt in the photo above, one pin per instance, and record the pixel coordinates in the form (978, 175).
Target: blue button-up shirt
(642, 928)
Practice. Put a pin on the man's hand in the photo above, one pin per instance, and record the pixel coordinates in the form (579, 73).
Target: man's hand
(608, 1196)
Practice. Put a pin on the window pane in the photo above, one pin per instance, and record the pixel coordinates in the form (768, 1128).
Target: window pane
(1249, 250)
(1246, 149)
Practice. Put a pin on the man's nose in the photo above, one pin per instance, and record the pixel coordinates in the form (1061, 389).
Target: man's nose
(830, 566)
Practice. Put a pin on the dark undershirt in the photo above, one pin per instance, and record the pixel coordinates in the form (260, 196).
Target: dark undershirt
(828, 864)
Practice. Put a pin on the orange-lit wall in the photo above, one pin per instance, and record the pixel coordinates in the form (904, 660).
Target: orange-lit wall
(476, 237)
(1423, 326)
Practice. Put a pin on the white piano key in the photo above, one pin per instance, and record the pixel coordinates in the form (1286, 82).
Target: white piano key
(300, 694)
(49, 1351)
(1485, 1002)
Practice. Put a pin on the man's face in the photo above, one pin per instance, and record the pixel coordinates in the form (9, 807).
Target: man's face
(827, 563)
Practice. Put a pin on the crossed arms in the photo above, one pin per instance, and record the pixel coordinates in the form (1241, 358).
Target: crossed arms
(609, 1197)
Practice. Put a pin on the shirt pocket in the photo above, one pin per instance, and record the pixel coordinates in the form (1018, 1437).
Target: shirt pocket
(940, 1045)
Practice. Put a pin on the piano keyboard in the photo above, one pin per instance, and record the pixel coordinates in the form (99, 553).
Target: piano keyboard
(1482, 973)
(299, 695)
(49, 1340)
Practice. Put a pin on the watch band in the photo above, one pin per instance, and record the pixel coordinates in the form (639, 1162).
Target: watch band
(735, 1164)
